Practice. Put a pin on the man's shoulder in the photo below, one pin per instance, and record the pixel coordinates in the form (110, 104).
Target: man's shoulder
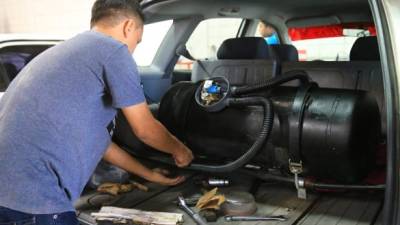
(89, 44)
(95, 40)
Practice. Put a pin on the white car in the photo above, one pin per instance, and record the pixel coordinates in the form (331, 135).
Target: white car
(16, 50)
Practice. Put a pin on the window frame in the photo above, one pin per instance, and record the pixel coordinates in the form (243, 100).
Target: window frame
(241, 30)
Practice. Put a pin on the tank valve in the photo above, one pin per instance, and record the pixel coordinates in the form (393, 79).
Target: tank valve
(211, 92)
(212, 95)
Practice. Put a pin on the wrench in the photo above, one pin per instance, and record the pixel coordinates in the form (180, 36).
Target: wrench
(255, 218)
(195, 216)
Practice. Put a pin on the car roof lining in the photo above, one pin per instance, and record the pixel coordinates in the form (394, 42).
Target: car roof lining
(287, 13)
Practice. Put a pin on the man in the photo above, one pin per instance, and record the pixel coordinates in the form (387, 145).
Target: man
(54, 115)
(268, 33)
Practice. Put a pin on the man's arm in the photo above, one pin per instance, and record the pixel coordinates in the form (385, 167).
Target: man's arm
(153, 133)
(115, 155)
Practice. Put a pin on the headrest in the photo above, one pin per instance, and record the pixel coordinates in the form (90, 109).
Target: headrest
(244, 48)
(365, 48)
(286, 53)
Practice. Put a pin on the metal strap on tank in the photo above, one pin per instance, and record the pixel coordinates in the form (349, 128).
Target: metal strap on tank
(295, 127)
(300, 104)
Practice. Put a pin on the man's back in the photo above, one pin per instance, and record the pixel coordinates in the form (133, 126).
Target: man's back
(53, 120)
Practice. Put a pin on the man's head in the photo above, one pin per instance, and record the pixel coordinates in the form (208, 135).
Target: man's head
(265, 29)
(121, 19)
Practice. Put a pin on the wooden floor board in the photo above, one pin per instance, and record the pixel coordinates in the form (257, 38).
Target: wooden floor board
(272, 200)
(275, 200)
(336, 210)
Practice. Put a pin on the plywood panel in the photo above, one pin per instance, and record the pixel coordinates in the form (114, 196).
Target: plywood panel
(338, 210)
(273, 199)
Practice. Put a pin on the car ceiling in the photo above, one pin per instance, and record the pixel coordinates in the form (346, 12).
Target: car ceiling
(292, 13)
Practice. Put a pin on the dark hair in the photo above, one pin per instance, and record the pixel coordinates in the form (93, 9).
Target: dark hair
(114, 10)
(265, 22)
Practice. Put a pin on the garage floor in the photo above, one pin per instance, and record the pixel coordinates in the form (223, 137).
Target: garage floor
(272, 199)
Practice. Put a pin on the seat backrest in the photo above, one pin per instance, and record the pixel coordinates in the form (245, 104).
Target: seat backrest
(245, 48)
(12, 70)
(365, 49)
(238, 72)
(4, 79)
(242, 61)
(328, 74)
(286, 52)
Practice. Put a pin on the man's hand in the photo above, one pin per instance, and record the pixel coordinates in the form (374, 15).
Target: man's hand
(115, 155)
(160, 178)
(182, 156)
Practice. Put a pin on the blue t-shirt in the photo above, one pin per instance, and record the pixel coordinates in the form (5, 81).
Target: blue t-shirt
(273, 39)
(54, 117)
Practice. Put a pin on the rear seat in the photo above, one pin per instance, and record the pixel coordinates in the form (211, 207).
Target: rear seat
(286, 53)
(363, 72)
(247, 60)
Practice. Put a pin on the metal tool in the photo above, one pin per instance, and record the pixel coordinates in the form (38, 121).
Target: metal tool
(214, 182)
(195, 216)
(255, 218)
(190, 202)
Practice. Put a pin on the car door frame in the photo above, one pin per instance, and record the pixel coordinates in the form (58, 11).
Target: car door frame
(156, 78)
(386, 13)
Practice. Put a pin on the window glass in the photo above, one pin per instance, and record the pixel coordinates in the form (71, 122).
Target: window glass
(326, 49)
(153, 35)
(328, 43)
(206, 39)
(14, 58)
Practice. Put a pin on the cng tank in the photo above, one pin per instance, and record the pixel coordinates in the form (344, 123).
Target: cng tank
(337, 132)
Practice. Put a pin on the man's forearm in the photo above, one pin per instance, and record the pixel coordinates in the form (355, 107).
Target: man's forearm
(159, 137)
(153, 133)
(116, 156)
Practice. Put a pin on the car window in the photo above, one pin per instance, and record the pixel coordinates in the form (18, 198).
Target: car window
(206, 39)
(14, 58)
(327, 43)
(153, 35)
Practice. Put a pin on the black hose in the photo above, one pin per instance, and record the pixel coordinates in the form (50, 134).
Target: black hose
(257, 145)
(267, 123)
(286, 77)
(312, 185)
(289, 180)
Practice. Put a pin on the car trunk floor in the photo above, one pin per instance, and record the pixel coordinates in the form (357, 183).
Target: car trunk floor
(272, 199)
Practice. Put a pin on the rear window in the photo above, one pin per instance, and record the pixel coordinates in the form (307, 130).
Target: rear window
(328, 43)
(207, 38)
(209, 35)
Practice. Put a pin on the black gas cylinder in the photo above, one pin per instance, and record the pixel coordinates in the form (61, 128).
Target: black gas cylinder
(339, 130)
